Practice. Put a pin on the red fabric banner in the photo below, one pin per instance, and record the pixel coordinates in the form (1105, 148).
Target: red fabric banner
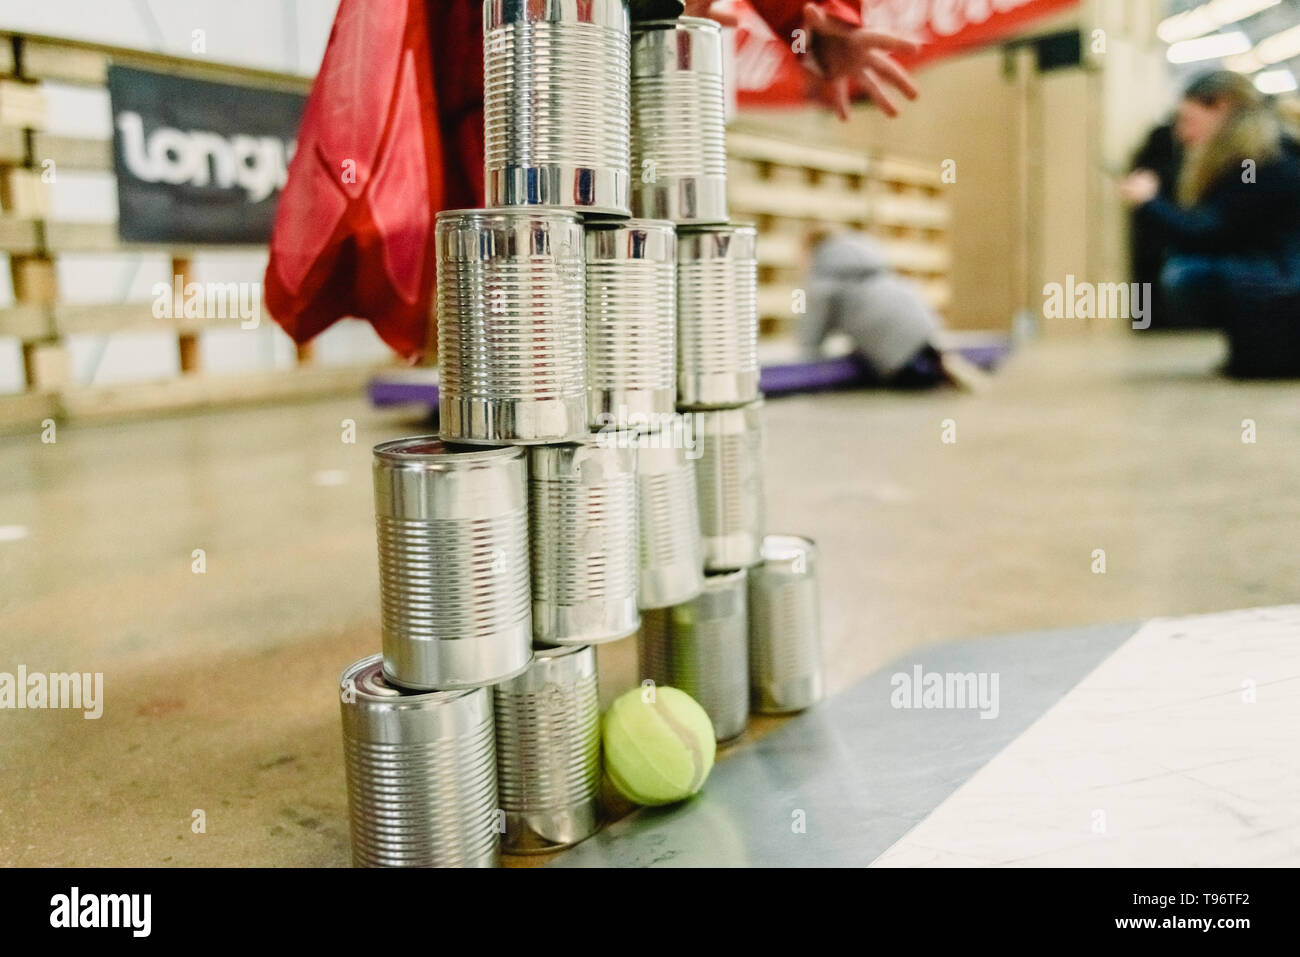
(769, 74)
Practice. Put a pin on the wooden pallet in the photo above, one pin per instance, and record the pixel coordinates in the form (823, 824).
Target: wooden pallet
(793, 191)
(38, 318)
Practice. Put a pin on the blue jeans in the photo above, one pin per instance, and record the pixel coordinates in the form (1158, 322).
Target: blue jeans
(1207, 291)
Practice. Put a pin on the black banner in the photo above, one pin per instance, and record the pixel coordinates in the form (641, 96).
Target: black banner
(198, 162)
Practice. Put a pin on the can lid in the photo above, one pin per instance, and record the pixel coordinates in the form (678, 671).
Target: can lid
(633, 223)
(716, 581)
(787, 548)
(366, 679)
(687, 23)
(448, 216)
(431, 449)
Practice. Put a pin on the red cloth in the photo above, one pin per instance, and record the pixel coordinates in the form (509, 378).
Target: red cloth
(392, 132)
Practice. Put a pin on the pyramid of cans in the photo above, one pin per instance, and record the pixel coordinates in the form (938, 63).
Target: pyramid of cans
(598, 470)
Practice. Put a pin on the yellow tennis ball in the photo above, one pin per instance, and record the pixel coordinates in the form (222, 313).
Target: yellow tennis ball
(659, 744)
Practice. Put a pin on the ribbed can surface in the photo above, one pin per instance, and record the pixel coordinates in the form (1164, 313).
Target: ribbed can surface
(511, 303)
(548, 751)
(556, 104)
(785, 627)
(679, 149)
(717, 316)
(452, 527)
(582, 502)
(702, 647)
(631, 324)
(729, 483)
(672, 555)
(421, 773)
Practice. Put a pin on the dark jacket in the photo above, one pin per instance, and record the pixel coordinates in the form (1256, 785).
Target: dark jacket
(1259, 219)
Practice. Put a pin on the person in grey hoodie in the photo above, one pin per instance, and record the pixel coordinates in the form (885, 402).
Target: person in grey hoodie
(851, 289)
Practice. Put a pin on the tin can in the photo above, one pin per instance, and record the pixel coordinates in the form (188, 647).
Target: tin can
(452, 527)
(672, 555)
(582, 500)
(785, 627)
(702, 647)
(421, 773)
(679, 149)
(717, 316)
(548, 751)
(556, 104)
(631, 324)
(510, 326)
(729, 483)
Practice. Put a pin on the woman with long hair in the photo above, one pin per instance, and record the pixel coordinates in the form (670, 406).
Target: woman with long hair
(1233, 225)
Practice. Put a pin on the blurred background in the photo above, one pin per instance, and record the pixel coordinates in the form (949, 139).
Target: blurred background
(138, 443)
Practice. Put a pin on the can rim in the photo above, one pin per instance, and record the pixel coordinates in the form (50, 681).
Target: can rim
(377, 689)
(509, 212)
(696, 22)
(433, 449)
(633, 222)
(724, 579)
(806, 545)
(730, 226)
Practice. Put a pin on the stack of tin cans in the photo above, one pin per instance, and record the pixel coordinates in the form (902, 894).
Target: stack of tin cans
(598, 469)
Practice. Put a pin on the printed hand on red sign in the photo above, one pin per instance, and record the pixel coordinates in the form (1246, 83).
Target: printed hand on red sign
(842, 54)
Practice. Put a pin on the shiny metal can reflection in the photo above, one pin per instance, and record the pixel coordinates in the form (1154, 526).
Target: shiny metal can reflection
(548, 751)
(582, 502)
(668, 515)
(717, 316)
(452, 527)
(511, 303)
(421, 773)
(679, 150)
(702, 647)
(729, 484)
(631, 323)
(785, 627)
(556, 104)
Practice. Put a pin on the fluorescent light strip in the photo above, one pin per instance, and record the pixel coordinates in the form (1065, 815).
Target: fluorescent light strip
(1209, 17)
(1274, 82)
(1214, 47)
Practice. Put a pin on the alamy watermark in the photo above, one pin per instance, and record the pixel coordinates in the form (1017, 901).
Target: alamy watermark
(946, 690)
(208, 300)
(81, 691)
(1107, 300)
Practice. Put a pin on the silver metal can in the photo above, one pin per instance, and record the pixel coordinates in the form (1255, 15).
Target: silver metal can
(672, 555)
(631, 324)
(555, 106)
(729, 483)
(421, 773)
(452, 526)
(679, 149)
(717, 316)
(785, 657)
(702, 647)
(548, 751)
(582, 501)
(511, 363)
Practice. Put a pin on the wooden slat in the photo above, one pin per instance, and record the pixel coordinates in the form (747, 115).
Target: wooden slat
(72, 152)
(25, 412)
(25, 322)
(102, 238)
(17, 235)
(6, 57)
(909, 211)
(206, 391)
(800, 202)
(22, 104)
(108, 318)
(905, 171)
(753, 146)
(44, 60)
(12, 148)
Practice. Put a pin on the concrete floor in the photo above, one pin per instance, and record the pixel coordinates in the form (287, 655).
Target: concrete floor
(220, 688)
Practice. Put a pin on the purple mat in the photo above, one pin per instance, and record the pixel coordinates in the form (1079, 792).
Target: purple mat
(775, 380)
